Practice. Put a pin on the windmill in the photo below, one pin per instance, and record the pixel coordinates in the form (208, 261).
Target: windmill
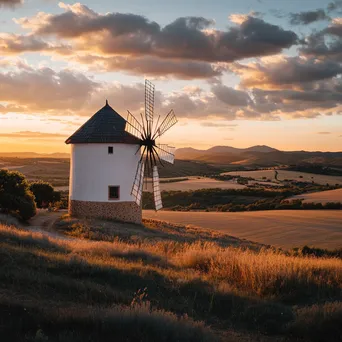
(152, 153)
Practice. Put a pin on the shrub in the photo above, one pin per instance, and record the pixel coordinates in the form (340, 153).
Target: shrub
(15, 194)
(44, 193)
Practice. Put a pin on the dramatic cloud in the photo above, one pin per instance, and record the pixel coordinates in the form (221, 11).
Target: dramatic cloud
(268, 87)
(11, 44)
(322, 97)
(185, 38)
(152, 66)
(231, 97)
(187, 48)
(325, 44)
(10, 3)
(44, 89)
(280, 71)
(305, 18)
(66, 93)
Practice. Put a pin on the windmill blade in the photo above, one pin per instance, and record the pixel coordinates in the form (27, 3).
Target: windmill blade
(156, 189)
(149, 104)
(133, 126)
(138, 182)
(166, 153)
(169, 121)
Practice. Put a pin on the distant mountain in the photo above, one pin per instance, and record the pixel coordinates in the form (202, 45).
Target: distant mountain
(259, 155)
(33, 155)
(229, 149)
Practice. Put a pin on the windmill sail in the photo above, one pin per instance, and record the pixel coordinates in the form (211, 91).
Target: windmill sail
(138, 182)
(166, 153)
(156, 189)
(149, 104)
(133, 126)
(153, 154)
(166, 124)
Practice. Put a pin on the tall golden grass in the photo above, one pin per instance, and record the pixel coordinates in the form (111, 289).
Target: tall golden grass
(206, 276)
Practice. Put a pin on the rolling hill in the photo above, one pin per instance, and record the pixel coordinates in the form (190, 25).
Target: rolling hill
(260, 155)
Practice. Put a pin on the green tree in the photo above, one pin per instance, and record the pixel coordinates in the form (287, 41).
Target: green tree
(15, 194)
(44, 193)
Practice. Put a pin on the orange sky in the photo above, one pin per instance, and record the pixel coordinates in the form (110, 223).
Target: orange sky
(241, 76)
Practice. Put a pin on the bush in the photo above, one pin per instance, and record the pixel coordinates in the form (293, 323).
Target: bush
(44, 193)
(15, 194)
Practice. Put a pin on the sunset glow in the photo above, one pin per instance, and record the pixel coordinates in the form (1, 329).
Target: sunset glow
(235, 73)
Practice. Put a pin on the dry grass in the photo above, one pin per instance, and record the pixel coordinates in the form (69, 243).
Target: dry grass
(144, 282)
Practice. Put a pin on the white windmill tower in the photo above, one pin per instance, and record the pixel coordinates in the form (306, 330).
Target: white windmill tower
(107, 168)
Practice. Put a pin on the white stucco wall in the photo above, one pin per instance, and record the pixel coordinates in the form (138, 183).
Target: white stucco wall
(92, 170)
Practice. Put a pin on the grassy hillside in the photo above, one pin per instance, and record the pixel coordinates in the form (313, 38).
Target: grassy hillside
(107, 281)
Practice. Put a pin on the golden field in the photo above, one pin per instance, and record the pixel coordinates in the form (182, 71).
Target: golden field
(280, 228)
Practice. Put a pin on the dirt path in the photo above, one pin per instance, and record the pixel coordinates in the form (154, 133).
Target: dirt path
(43, 222)
(281, 228)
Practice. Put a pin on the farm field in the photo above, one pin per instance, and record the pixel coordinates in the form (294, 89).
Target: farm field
(285, 229)
(55, 171)
(196, 183)
(321, 196)
(290, 175)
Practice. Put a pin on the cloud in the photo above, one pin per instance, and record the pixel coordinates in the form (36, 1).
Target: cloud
(285, 72)
(152, 66)
(12, 44)
(29, 134)
(41, 90)
(117, 34)
(325, 44)
(321, 98)
(335, 5)
(231, 96)
(218, 125)
(324, 133)
(10, 3)
(66, 93)
(187, 48)
(309, 17)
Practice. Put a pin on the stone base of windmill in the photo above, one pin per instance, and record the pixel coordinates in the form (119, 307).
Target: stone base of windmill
(119, 211)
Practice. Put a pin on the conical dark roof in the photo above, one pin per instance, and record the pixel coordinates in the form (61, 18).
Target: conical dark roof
(105, 126)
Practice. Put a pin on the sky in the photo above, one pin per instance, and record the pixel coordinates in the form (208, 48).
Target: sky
(238, 73)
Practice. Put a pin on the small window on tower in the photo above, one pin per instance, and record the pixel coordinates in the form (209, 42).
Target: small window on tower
(113, 192)
(110, 149)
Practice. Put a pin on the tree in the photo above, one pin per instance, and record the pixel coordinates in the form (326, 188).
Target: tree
(44, 193)
(15, 194)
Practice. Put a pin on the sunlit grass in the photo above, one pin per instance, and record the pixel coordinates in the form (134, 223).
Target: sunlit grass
(204, 275)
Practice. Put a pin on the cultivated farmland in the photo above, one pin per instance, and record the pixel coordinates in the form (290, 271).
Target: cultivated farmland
(288, 175)
(281, 228)
(321, 196)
